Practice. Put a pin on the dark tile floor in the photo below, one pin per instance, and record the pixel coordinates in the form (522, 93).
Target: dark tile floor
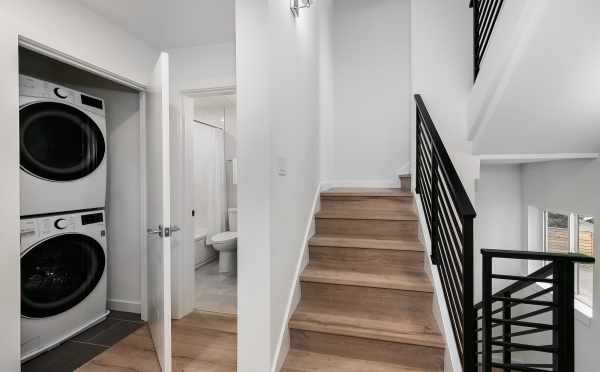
(75, 352)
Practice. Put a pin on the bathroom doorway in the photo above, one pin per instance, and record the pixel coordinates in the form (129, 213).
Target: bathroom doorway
(214, 188)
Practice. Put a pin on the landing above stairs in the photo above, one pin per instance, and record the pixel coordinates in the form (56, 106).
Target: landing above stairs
(366, 301)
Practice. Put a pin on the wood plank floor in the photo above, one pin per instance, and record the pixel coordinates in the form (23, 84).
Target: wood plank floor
(201, 342)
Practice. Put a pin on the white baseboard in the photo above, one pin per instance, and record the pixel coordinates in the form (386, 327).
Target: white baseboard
(283, 343)
(123, 305)
(452, 361)
(361, 183)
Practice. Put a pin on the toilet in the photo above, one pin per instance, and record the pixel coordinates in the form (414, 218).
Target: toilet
(226, 244)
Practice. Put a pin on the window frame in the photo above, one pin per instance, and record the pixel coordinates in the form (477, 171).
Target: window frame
(573, 231)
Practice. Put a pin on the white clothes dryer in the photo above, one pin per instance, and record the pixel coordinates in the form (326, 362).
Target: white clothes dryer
(62, 148)
(63, 278)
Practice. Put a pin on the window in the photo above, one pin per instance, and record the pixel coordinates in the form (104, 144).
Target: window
(569, 232)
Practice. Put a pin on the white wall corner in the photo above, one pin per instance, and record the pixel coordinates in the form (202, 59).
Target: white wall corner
(283, 344)
(452, 361)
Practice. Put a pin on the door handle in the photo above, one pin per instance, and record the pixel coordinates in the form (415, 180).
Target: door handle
(170, 230)
(158, 231)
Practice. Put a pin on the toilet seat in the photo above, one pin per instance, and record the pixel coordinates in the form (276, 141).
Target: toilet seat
(224, 237)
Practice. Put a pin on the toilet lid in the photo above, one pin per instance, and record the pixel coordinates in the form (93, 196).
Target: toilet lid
(224, 236)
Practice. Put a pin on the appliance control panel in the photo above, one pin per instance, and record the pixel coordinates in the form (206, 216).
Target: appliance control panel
(35, 229)
(32, 87)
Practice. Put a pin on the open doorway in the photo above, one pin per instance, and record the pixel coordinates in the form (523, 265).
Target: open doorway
(212, 123)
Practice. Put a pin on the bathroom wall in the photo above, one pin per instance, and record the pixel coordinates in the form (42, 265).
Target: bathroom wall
(123, 202)
(230, 153)
(224, 116)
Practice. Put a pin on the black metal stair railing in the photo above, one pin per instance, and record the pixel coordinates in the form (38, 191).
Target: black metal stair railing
(449, 215)
(522, 309)
(485, 14)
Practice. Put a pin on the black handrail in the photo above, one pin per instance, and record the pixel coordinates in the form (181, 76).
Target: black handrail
(449, 215)
(561, 306)
(485, 14)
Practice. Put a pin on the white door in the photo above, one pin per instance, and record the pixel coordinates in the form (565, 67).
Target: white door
(159, 211)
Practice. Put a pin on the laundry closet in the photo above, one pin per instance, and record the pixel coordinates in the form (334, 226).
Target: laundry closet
(82, 182)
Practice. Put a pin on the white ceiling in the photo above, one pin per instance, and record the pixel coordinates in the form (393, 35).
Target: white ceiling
(170, 24)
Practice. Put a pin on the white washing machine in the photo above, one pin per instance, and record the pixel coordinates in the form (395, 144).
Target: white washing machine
(63, 149)
(63, 278)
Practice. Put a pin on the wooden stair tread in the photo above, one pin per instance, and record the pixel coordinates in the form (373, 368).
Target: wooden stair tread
(373, 214)
(370, 192)
(406, 328)
(307, 361)
(409, 281)
(349, 242)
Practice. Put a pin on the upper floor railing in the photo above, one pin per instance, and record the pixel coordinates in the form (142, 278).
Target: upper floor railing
(511, 316)
(485, 14)
(449, 214)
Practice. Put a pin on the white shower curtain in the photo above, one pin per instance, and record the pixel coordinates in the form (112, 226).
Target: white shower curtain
(209, 180)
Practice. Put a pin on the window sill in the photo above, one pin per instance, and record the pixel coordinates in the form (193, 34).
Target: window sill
(583, 313)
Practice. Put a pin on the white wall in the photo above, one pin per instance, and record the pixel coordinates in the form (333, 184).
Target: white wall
(85, 36)
(326, 90)
(293, 109)
(442, 65)
(546, 105)
(278, 120)
(370, 72)
(571, 186)
(442, 72)
(511, 31)
(499, 222)
(10, 295)
(73, 29)
(254, 261)
(201, 67)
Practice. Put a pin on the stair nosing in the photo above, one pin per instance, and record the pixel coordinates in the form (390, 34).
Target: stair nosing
(366, 194)
(365, 243)
(346, 330)
(309, 353)
(357, 283)
(358, 216)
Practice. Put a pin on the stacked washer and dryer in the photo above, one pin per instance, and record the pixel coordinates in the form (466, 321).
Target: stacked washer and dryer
(63, 228)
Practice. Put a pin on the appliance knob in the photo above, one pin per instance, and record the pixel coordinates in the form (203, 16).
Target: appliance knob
(60, 224)
(61, 93)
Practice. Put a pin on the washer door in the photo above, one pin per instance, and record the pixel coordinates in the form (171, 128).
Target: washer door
(59, 142)
(59, 273)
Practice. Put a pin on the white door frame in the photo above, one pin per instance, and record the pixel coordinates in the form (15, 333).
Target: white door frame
(141, 88)
(183, 295)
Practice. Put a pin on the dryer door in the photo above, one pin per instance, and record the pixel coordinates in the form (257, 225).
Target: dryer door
(59, 273)
(59, 142)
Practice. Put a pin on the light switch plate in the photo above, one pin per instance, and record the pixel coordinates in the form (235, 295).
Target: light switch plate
(281, 166)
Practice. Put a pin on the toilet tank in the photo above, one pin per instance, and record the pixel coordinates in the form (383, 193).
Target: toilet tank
(232, 215)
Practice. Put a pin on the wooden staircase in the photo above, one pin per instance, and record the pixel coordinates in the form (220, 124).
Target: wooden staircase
(367, 303)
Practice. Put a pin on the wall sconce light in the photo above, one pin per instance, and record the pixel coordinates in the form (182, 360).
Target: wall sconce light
(296, 5)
